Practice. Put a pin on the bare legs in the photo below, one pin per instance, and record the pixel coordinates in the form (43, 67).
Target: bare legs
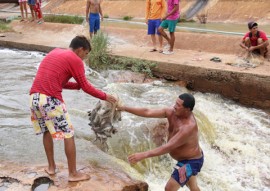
(70, 151)
(172, 185)
(32, 12)
(170, 39)
(262, 50)
(154, 41)
(23, 8)
(48, 146)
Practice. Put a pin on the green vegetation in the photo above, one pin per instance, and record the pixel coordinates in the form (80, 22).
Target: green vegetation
(4, 26)
(127, 18)
(100, 58)
(63, 19)
(106, 16)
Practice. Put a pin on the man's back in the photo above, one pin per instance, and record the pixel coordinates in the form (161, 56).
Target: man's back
(54, 72)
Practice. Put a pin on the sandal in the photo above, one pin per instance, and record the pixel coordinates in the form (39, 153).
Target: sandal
(153, 50)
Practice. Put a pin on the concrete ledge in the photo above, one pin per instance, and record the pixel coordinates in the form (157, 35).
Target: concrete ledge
(24, 46)
(249, 89)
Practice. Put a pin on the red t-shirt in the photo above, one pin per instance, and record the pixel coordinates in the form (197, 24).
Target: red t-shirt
(254, 40)
(54, 74)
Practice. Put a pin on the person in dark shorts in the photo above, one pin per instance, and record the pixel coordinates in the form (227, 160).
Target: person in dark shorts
(49, 115)
(93, 17)
(183, 141)
(255, 41)
(155, 10)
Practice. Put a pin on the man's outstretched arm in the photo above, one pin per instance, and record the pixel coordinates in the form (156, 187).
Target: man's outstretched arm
(145, 112)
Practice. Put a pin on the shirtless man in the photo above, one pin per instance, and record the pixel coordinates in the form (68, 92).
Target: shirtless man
(93, 17)
(183, 141)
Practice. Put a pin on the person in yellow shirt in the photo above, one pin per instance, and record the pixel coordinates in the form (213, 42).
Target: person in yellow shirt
(155, 10)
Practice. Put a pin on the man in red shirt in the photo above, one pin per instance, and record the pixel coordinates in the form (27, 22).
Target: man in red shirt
(49, 115)
(255, 41)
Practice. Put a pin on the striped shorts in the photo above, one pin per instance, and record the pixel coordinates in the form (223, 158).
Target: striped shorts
(50, 114)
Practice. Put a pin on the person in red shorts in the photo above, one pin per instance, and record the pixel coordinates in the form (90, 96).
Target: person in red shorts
(255, 41)
(49, 115)
(37, 9)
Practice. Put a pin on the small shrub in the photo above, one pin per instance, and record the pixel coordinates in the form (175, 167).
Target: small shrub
(63, 19)
(127, 18)
(4, 26)
(106, 16)
(100, 58)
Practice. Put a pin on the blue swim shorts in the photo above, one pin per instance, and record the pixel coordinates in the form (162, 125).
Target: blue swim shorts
(170, 24)
(94, 22)
(186, 168)
(31, 2)
(153, 25)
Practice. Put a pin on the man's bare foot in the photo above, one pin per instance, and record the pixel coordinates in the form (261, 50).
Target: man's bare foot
(51, 171)
(78, 177)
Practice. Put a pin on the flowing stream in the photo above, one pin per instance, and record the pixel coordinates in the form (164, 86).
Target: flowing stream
(235, 139)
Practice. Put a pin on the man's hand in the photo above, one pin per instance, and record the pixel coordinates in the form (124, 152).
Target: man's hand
(87, 19)
(146, 21)
(163, 18)
(110, 98)
(133, 159)
(250, 49)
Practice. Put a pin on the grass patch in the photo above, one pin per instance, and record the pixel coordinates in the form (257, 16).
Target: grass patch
(127, 18)
(106, 16)
(4, 26)
(63, 19)
(100, 58)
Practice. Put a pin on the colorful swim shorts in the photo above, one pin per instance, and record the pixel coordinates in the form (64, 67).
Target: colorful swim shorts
(186, 168)
(50, 114)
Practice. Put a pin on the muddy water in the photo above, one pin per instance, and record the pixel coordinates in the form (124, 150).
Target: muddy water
(235, 139)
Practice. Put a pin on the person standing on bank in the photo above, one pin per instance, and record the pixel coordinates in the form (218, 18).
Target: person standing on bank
(170, 21)
(183, 141)
(93, 18)
(155, 11)
(49, 115)
(23, 9)
(255, 41)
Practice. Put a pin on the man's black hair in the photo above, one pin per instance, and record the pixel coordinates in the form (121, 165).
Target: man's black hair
(80, 41)
(189, 100)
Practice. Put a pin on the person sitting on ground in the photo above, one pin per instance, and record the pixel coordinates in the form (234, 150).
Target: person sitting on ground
(23, 9)
(94, 16)
(255, 41)
(183, 141)
(49, 115)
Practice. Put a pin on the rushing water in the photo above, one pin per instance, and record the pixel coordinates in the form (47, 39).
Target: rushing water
(235, 139)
